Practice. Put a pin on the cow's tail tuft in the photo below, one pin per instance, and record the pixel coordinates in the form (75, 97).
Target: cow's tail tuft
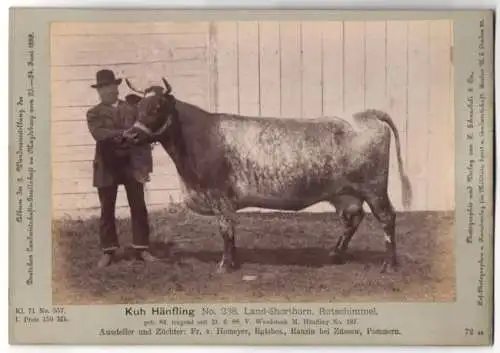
(405, 181)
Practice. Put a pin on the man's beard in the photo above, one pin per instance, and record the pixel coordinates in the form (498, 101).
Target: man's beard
(110, 99)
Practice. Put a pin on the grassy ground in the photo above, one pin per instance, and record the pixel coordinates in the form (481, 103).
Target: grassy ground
(286, 252)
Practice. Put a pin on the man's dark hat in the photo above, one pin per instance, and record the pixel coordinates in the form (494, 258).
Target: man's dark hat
(106, 77)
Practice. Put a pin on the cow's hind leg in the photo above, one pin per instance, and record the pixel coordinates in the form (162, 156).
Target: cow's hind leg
(350, 210)
(229, 259)
(384, 212)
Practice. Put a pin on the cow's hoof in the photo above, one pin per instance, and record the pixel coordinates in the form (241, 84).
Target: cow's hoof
(389, 267)
(235, 265)
(224, 267)
(222, 270)
(338, 259)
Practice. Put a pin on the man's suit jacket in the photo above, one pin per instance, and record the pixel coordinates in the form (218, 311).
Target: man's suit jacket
(114, 164)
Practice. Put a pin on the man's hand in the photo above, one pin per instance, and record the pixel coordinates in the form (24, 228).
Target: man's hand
(118, 139)
(129, 135)
(125, 137)
(121, 145)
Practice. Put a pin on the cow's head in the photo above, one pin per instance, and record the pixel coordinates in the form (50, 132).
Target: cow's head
(156, 112)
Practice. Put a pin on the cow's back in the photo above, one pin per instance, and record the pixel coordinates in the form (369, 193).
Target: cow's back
(283, 138)
(278, 142)
(278, 161)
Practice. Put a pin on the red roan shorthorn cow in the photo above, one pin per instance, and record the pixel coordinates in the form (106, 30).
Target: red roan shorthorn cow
(229, 162)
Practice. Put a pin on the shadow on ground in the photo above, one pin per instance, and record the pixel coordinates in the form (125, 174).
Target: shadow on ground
(308, 257)
(286, 254)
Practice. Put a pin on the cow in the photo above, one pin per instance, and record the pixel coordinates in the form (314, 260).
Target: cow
(229, 162)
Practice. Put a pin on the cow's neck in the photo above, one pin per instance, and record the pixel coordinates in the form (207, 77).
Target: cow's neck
(174, 141)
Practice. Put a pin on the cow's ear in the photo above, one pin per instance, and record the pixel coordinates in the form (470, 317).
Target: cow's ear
(132, 99)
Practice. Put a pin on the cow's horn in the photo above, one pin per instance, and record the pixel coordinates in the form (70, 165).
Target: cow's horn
(167, 85)
(133, 88)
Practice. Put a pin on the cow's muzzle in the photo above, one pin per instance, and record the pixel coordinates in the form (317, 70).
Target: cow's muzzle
(134, 136)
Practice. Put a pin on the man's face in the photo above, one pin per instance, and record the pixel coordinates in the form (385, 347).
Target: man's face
(108, 94)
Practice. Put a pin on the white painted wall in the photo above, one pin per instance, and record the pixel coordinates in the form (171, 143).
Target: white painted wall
(288, 69)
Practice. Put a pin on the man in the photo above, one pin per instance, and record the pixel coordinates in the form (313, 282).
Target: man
(117, 163)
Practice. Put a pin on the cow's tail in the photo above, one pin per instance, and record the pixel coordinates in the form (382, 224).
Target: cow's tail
(405, 181)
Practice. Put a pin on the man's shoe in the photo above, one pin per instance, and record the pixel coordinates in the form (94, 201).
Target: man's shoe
(146, 256)
(105, 260)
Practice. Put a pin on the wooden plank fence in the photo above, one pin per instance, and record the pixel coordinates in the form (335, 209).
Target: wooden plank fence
(287, 69)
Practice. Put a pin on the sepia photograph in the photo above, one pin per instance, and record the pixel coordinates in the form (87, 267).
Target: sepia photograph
(252, 161)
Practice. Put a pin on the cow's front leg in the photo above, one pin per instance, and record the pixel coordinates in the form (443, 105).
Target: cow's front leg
(229, 259)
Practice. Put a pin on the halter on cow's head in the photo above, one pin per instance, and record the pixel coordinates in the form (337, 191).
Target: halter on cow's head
(156, 111)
